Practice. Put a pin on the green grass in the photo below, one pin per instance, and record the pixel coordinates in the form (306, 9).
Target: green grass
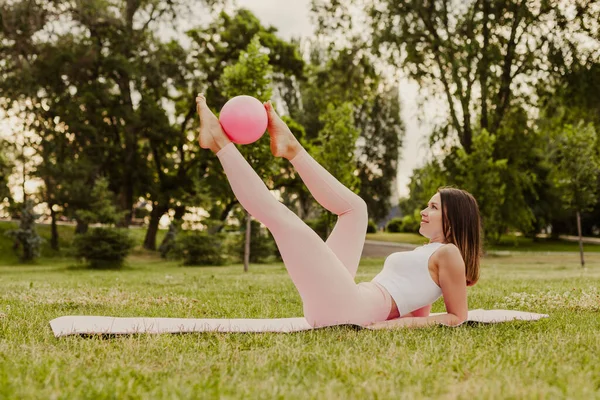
(507, 242)
(553, 358)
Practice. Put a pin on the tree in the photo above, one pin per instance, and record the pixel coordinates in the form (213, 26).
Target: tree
(477, 172)
(481, 175)
(215, 47)
(569, 98)
(106, 79)
(484, 58)
(381, 138)
(575, 154)
(251, 76)
(335, 146)
(424, 183)
(348, 74)
(102, 206)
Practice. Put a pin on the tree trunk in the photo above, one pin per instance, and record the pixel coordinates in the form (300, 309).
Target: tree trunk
(223, 217)
(305, 205)
(247, 245)
(158, 210)
(179, 213)
(129, 163)
(54, 230)
(81, 227)
(580, 239)
(484, 65)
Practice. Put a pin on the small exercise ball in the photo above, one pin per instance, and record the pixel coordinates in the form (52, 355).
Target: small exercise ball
(244, 119)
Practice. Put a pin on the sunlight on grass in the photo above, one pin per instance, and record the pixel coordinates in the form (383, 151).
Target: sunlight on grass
(545, 359)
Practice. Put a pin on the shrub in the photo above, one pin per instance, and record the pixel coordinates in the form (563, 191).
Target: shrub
(103, 247)
(394, 225)
(411, 224)
(371, 227)
(26, 237)
(199, 248)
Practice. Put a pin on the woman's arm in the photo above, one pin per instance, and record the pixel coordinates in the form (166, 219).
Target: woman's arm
(451, 269)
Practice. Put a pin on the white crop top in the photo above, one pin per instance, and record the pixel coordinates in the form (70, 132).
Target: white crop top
(406, 277)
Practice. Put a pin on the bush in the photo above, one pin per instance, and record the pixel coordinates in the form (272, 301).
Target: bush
(371, 227)
(103, 247)
(262, 245)
(394, 225)
(26, 237)
(199, 248)
(410, 224)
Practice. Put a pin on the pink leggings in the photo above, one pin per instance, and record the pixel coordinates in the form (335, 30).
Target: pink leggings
(323, 272)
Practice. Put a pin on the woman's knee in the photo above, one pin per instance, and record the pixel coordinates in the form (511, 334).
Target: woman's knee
(358, 211)
(277, 214)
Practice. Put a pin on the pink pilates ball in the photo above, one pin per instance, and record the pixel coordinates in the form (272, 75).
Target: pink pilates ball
(244, 119)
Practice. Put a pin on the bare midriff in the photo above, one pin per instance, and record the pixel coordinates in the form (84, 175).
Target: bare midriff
(394, 313)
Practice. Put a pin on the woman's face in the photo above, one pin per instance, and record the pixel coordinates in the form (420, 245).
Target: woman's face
(431, 220)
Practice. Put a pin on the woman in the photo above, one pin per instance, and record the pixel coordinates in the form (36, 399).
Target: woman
(323, 272)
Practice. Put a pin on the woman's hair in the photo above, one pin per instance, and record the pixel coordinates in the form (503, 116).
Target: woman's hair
(461, 225)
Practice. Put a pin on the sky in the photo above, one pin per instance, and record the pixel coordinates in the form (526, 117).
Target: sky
(293, 20)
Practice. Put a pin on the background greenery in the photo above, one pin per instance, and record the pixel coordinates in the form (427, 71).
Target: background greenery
(518, 81)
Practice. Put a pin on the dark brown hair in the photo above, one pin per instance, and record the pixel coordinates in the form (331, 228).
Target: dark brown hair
(461, 224)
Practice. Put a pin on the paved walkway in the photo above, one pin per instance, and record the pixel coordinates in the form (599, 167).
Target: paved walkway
(374, 248)
(584, 239)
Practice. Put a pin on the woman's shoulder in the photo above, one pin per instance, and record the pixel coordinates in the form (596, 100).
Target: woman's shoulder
(449, 254)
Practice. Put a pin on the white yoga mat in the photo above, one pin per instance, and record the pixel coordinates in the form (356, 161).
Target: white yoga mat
(90, 325)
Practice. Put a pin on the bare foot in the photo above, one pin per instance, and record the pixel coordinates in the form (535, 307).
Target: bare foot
(211, 134)
(283, 142)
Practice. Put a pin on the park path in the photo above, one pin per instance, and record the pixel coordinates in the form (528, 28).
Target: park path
(374, 248)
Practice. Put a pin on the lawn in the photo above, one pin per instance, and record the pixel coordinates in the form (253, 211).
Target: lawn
(553, 358)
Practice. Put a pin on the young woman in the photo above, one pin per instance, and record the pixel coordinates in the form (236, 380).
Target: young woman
(323, 272)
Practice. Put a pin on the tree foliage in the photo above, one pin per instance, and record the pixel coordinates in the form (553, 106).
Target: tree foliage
(575, 154)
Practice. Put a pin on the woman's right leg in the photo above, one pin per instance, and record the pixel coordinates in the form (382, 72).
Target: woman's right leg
(348, 235)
